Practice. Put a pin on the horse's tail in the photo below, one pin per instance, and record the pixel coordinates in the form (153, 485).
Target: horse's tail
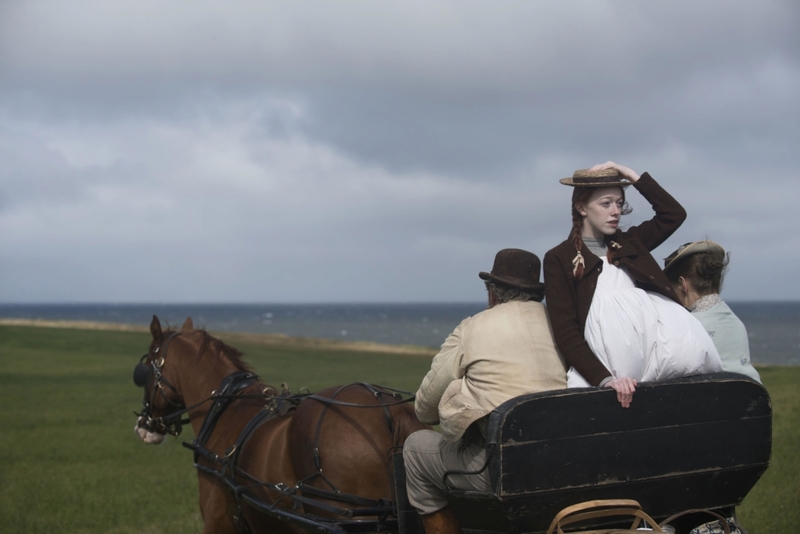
(404, 423)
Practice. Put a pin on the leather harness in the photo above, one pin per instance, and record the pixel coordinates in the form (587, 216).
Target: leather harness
(278, 404)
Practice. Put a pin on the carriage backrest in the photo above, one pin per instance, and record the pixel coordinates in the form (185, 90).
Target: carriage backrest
(698, 442)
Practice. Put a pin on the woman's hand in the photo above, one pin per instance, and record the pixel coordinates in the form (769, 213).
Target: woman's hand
(623, 170)
(625, 388)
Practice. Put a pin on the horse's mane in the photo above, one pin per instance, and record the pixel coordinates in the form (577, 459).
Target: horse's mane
(207, 341)
(223, 349)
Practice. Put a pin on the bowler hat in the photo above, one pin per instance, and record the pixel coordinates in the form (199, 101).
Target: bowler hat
(602, 178)
(515, 267)
(689, 249)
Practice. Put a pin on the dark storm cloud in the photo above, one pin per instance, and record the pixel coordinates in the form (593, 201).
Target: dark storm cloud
(274, 152)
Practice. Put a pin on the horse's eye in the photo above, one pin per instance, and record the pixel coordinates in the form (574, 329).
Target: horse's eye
(141, 374)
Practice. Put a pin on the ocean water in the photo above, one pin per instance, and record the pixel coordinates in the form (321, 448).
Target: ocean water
(773, 327)
(424, 325)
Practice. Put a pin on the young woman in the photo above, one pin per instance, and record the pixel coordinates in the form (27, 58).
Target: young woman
(696, 271)
(615, 316)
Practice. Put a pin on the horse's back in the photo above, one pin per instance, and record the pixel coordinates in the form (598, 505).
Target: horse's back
(340, 447)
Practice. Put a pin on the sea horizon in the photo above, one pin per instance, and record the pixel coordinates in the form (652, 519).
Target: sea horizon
(773, 325)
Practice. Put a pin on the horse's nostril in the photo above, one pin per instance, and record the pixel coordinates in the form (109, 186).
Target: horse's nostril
(141, 374)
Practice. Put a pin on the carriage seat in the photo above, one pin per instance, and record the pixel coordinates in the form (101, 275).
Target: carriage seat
(697, 442)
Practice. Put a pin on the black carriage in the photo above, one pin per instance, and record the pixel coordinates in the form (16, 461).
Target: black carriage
(691, 443)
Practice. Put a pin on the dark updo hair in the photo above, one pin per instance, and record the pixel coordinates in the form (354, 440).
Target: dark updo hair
(582, 195)
(704, 270)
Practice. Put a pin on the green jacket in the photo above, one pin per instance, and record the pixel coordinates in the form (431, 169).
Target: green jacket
(730, 337)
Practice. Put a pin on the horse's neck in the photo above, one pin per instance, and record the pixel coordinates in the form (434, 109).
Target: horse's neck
(202, 373)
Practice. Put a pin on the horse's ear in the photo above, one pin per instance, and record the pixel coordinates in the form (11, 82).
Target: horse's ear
(155, 329)
(187, 325)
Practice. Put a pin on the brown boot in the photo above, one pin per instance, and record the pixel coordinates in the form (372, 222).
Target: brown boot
(441, 522)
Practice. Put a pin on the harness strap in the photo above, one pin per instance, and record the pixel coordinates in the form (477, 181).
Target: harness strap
(378, 394)
(228, 470)
(342, 497)
(232, 458)
(317, 460)
(231, 385)
(332, 401)
(279, 407)
(228, 463)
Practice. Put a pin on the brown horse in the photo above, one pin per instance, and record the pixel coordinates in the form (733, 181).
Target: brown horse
(291, 453)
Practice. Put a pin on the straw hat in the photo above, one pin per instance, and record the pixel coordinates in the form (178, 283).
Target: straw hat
(603, 178)
(690, 249)
(515, 267)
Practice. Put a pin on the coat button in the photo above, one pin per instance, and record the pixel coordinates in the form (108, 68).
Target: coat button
(616, 263)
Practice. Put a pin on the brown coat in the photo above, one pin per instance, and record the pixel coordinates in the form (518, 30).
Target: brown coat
(568, 302)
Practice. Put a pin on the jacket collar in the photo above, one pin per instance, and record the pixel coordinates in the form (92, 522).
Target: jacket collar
(620, 245)
(589, 258)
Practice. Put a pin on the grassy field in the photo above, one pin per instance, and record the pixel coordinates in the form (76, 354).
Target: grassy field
(71, 463)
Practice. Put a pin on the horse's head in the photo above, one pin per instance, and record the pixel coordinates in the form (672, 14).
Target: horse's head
(163, 404)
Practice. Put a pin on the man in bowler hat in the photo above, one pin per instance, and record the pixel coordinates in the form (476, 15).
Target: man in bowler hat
(502, 352)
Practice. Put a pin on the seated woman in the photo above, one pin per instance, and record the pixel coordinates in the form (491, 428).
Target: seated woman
(696, 271)
(615, 316)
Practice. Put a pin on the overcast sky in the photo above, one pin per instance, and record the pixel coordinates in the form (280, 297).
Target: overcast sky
(191, 151)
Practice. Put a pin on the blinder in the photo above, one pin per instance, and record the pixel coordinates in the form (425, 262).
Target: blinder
(141, 373)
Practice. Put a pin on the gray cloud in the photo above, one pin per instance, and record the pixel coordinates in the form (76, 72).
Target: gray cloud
(375, 151)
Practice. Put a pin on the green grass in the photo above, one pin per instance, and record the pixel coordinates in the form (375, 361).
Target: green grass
(70, 461)
(774, 504)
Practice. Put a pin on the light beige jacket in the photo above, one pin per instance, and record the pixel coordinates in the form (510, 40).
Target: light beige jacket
(498, 354)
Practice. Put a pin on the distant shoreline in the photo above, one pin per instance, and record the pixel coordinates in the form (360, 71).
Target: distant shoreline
(232, 337)
(418, 328)
(273, 340)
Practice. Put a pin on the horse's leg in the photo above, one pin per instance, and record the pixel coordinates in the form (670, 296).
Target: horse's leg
(266, 456)
(216, 506)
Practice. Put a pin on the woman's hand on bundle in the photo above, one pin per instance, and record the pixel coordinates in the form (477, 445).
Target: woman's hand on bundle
(623, 170)
(625, 388)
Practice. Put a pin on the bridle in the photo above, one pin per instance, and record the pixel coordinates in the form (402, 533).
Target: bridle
(168, 424)
(230, 388)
